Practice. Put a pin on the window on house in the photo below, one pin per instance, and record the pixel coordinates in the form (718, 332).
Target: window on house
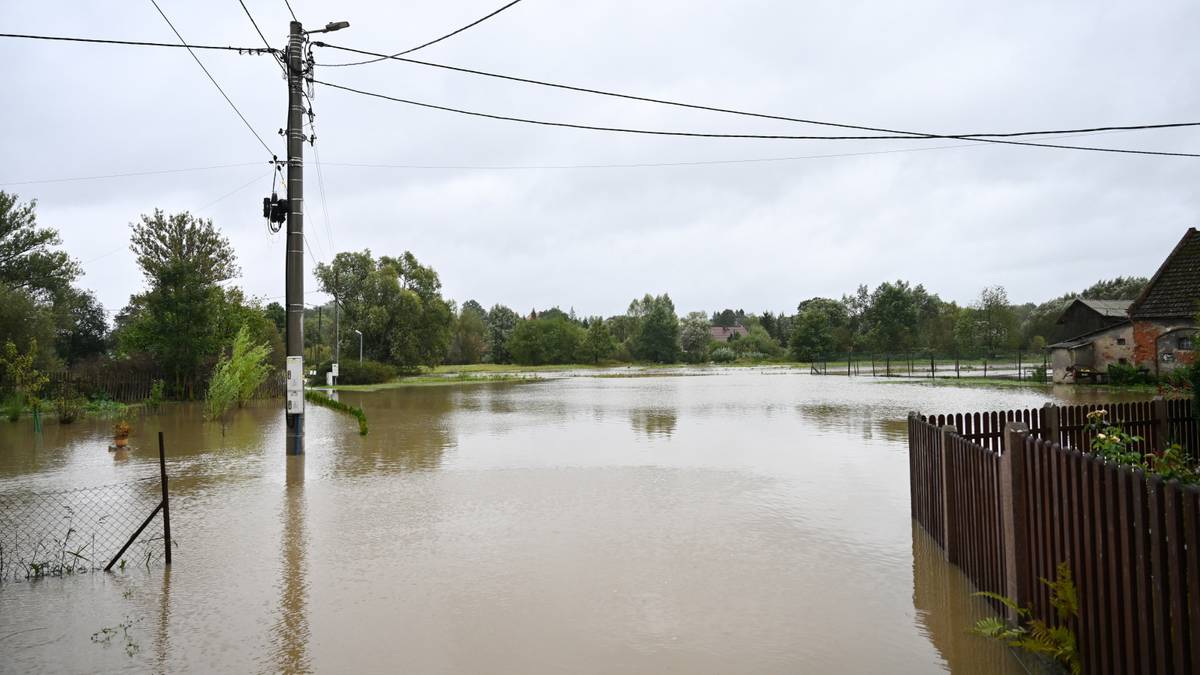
(1120, 341)
(1184, 343)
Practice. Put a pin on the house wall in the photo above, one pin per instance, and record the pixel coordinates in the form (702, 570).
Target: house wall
(1162, 356)
(1104, 350)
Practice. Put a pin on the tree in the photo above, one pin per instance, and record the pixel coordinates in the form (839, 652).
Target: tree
(28, 261)
(724, 318)
(498, 329)
(20, 374)
(694, 336)
(995, 321)
(815, 327)
(82, 326)
(546, 340)
(598, 345)
(657, 336)
(467, 341)
(395, 302)
(891, 318)
(178, 320)
(277, 315)
(23, 319)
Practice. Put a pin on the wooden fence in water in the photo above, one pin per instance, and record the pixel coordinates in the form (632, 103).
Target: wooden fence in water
(1007, 504)
(133, 387)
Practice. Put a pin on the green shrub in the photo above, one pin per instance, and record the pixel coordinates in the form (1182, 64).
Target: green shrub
(236, 377)
(1122, 374)
(723, 355)
(355, 372)
(69, 408)
(157, 395)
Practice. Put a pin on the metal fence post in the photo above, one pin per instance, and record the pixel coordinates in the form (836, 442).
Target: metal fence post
(166, 504)
(1050, 424)
(1014, 514)
(949, 494)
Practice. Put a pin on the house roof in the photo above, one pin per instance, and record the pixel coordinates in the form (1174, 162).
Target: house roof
(1117, 308)
(1174, 290)
(1089, 337)
(720, 332)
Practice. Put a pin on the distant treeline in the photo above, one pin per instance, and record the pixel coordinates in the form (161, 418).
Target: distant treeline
(188, 313)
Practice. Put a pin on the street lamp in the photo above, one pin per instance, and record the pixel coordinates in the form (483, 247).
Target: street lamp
(359, 344)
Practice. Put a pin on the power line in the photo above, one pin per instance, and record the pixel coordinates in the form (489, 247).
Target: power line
(255, 24)
(290, 11)
(214, 81)
(232, 192)
(129, 174)
(383, 57)
(324, 201)
(645, 99)
(241, 50)
(739, 136)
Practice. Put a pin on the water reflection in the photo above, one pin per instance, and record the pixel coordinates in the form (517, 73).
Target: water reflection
(867, 420)
(162, 636)
(290, 632)
(653, 421)
(946, 611)
(410, 430)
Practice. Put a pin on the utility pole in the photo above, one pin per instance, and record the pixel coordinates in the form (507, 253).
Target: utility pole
(337, 330)
(294, 268)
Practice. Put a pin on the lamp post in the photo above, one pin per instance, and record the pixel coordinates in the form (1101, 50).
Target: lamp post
(359, 344)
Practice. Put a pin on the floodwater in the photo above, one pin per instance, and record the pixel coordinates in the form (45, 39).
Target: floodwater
(734, 521)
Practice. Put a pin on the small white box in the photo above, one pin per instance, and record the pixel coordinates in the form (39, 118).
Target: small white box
(335, 370)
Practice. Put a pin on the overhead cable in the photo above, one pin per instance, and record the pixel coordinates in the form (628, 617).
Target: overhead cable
(214, 81)
(384, 57)
(738, 136)
(136, 43)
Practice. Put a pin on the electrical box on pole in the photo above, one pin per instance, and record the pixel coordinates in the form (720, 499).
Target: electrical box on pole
(295, 385)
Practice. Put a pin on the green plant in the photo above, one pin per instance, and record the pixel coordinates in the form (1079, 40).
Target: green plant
(237, 376)
(157, 395)
(105, 635)
(1039, 374)
(1035, 635)
(356, 372)
(1123, 374)
(13, 405)
(324, 401)
(723, 355)
(1116, 445)
(68, 409)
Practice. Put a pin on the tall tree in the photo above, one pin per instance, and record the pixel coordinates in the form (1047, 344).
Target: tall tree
(178, 319)
(815, 331)
(598, 345)
(395, 302)
(28, 259)
(501, 321)
(694, 336)
(657, 337)
(82, 326)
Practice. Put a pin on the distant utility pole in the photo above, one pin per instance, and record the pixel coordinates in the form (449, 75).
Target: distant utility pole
(294, 268)
(337, 329)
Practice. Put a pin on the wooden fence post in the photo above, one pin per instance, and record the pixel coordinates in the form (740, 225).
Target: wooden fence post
(949, 492)
(1050, 423)
(1160, 420)
(1014, 515)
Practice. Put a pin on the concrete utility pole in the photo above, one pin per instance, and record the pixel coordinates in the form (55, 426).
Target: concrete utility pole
(337, 329)
(295, 242)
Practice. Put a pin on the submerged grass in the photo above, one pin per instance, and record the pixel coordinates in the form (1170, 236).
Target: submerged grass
(324, 401)
(440, 380)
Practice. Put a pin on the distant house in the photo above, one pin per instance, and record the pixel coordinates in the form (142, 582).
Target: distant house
(1085, 315)
(1164, 316)
(725, 333)
(1089, 355)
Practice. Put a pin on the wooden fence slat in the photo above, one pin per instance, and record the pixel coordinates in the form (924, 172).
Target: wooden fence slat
(1127, 617)
(1158, 578)
(1176, 576)
(1191, 538)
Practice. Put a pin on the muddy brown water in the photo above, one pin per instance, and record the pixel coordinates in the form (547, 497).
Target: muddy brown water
(733, 521)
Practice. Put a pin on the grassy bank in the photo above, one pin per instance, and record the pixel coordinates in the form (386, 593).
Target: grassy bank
(440, 381)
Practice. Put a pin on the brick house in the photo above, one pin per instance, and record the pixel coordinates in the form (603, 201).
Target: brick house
(724, 333)
(1088, 356)
(1164, 316)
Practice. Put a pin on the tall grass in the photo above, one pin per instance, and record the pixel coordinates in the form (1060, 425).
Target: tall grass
(324, 401)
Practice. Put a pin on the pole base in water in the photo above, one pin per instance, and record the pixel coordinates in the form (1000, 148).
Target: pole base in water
(295, 435)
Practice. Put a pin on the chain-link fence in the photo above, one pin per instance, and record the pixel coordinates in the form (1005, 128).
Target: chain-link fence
(76, 531)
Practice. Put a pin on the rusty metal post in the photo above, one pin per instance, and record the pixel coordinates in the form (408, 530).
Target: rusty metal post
(166, 503)
(1160, 420)
(949, 496)
(1014, 514)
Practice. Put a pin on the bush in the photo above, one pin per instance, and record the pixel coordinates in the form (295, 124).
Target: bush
(723, 355)
(236, 378)
(355, 372)
(69, 408)
(1123, 374)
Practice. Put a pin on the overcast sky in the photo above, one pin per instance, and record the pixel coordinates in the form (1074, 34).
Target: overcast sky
(757, 235)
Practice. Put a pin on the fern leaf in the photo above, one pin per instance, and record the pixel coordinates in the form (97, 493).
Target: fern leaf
(1004, 600)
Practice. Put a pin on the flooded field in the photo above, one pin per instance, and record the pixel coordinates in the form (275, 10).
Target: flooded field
(730, 521)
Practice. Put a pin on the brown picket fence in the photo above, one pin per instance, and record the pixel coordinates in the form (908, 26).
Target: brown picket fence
(131, 387)
(1008, 515)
